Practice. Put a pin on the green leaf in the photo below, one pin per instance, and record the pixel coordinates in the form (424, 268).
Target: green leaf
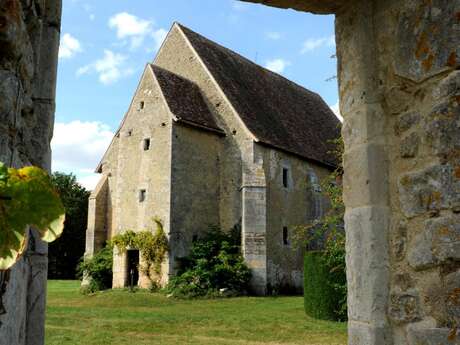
(54, 230)
(31, 200)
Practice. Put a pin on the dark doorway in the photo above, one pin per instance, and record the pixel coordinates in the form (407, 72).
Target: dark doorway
(133, 267)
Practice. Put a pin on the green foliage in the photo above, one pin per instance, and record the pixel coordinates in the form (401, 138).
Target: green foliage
(153, 248)
(319, 296)
(27, 198)
(64, 254)
(98, 269)
(329, 232)
(214, 263)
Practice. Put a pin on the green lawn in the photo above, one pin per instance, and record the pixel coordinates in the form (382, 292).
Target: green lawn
(122, 318)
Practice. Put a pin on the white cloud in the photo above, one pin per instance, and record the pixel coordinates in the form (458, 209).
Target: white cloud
(69, 46)
(128, 25)
(110, 68)
(336, 109)
(277, 65)
(315, 43)
(273, 35)
(135, 30)
(78, 147)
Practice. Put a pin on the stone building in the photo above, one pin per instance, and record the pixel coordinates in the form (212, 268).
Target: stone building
(211, 138)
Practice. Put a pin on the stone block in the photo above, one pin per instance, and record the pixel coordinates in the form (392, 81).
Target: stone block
(406, 121)
(442, 128)
(364, 125)
(368, 334)
(431, 336)
(449, 86)
(446, 237)
(366, 177)
(404, 306)
(421, 52)
(367, 251)
(420, 255)
(438, 242)
(409, 146)
(428, 190)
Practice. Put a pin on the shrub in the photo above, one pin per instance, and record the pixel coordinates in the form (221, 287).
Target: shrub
(98, 269)
(318, 294)
(214, 265)
(327, 235)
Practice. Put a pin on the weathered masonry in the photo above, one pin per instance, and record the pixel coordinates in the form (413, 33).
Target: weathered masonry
(211, 138)
(29, 41)
(399, 84)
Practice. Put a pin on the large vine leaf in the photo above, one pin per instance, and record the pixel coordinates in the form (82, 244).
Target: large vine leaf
(27, 198)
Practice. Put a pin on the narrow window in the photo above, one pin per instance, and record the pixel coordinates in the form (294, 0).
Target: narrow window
(141, 105)
(195, 238)
(129, 133)
(285, 236)
(285, 177)
(142, 195)
(146, 144)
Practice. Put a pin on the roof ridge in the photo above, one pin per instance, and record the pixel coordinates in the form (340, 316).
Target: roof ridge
(245, 58)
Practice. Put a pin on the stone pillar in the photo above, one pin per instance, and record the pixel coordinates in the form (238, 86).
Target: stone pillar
(96, 232)
(399, 79)
(399, 95)
(254, 223)
(29, 43)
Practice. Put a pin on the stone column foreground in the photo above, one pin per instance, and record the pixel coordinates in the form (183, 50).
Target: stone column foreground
(399, 80)
(29, 43)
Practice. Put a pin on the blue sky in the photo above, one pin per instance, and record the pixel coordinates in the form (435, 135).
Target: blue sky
(105, 45)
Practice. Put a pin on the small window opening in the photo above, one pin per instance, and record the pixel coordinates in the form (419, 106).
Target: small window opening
(285, 177)
(129, 133)
(146, 144)
(195, 238)
(141, 105)
(142, 195)
(285, 236)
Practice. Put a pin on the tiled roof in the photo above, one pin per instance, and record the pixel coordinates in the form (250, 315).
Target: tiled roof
(185, 100)
(276, 111)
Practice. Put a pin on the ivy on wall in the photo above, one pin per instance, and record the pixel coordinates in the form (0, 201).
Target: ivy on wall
(27, 198)
(152, 246)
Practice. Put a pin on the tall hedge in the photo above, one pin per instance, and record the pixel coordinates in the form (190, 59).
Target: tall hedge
(320, 300)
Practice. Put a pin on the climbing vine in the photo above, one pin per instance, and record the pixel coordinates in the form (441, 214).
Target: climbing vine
(27, 198)
(152, 246)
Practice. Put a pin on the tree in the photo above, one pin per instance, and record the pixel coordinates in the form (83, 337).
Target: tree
(65, 253)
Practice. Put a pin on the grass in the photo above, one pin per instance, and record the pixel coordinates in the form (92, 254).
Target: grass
(118, 317)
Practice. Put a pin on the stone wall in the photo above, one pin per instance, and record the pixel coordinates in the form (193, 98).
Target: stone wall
(29, 42)
(195, 186)
(291, 206)
(398, 63)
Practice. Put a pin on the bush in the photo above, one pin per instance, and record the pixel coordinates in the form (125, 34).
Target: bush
(98, 269)
(320, 299)
(214, 266)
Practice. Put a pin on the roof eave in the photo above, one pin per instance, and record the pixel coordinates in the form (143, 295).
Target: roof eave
(189, 123)
(303, 157)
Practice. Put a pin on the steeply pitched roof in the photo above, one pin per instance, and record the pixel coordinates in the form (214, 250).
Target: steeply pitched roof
(185, 100)
(276, 111)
